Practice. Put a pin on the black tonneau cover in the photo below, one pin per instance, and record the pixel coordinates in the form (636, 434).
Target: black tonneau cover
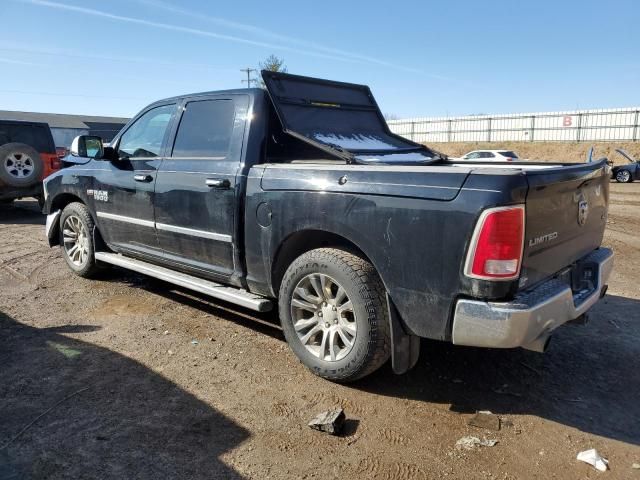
(341, 118)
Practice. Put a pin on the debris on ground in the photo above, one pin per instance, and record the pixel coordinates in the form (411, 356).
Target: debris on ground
(194, 342)
(166, 332)
(592, 457)
(469, 443)
(330, 421)
(485, 419)
(635, 466)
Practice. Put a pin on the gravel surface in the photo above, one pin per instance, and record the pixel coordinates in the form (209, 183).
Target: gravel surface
(110, 372)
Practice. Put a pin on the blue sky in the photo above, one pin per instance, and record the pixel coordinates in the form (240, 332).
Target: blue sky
(421, 58)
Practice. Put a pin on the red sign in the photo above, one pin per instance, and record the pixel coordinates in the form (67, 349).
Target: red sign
(566, 121)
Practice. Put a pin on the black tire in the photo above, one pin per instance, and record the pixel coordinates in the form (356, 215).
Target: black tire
(371, 345)
(20, 165)
(78, 215)
(624, 176)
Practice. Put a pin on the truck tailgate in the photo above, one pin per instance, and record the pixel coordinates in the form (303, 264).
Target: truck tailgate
(566, 214)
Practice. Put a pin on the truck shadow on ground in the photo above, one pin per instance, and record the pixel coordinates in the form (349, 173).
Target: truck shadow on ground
(129, 422)
(588, 379)
(22, 212)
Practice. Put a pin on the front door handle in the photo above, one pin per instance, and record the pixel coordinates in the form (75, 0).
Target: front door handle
(142, 178)
(218, 182)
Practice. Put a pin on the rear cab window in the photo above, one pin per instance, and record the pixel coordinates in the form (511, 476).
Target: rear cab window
(205, 129)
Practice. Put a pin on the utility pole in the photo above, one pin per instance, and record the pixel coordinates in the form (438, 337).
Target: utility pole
(248, 71)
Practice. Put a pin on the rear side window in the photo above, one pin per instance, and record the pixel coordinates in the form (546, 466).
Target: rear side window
(36, 136)
(205, 129)
(486, 155)
(509, 153)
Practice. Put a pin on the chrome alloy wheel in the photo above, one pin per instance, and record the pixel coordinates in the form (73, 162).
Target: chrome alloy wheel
(76, 240)
(623, 176)
(323, 317)
(19, 165)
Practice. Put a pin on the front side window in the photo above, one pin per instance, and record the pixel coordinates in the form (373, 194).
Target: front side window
(472, 155)
(144, 138)
(205, 129)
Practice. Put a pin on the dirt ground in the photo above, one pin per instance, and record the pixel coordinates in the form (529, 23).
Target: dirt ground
(546, 151)
(107, 380)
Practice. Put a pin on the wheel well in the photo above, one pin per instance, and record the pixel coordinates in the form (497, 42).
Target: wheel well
(63, 200)
(303, 241)
(60, 202)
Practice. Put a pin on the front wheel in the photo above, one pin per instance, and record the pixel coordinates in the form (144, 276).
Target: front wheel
(76, 239)
(333, 311)
(623, 176)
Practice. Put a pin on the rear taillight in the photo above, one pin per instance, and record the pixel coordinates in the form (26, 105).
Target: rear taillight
(509, 159)
(496, 247)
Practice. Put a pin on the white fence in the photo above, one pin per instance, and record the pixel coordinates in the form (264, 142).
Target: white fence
(615, 124)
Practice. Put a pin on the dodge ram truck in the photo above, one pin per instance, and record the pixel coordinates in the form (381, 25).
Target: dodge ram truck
(299, 197)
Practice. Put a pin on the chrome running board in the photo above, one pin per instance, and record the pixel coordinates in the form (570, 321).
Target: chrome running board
(215, 290)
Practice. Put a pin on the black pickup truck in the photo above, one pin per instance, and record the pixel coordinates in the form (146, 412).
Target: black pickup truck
(299, 197)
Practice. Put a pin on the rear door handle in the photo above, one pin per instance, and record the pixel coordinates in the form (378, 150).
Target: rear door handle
(142, 178)
(218, 183)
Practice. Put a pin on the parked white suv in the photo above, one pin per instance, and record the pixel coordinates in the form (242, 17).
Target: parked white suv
(491, 156)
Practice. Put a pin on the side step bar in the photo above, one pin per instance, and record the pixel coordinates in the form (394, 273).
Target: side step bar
(215, 290)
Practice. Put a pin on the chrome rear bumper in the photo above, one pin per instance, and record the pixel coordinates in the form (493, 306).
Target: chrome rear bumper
(530, 318)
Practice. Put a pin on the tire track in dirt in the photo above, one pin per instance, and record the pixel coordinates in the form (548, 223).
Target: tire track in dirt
(394, 437)
(332, 399)
(628, 239)
(376, 468)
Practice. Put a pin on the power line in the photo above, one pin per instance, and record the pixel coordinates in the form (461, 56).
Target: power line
(248, 71)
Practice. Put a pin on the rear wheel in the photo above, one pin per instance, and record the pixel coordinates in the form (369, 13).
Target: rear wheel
(623, 176)
(20, 165)
(76, 239)
(334, 314)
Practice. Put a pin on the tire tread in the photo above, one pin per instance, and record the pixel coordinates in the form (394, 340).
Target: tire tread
(372, 290)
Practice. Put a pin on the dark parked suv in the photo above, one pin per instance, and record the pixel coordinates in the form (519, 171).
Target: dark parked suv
(27, 156)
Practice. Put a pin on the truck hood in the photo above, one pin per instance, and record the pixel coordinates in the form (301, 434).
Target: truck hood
(340, 118)
(626, 155)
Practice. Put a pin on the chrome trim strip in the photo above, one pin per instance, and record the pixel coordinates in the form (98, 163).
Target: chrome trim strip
(220, 237)
(531, 316)
(194, 233)
(215, 290)
(122, 218)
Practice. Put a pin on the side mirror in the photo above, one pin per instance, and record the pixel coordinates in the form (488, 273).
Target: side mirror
(87, 146)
